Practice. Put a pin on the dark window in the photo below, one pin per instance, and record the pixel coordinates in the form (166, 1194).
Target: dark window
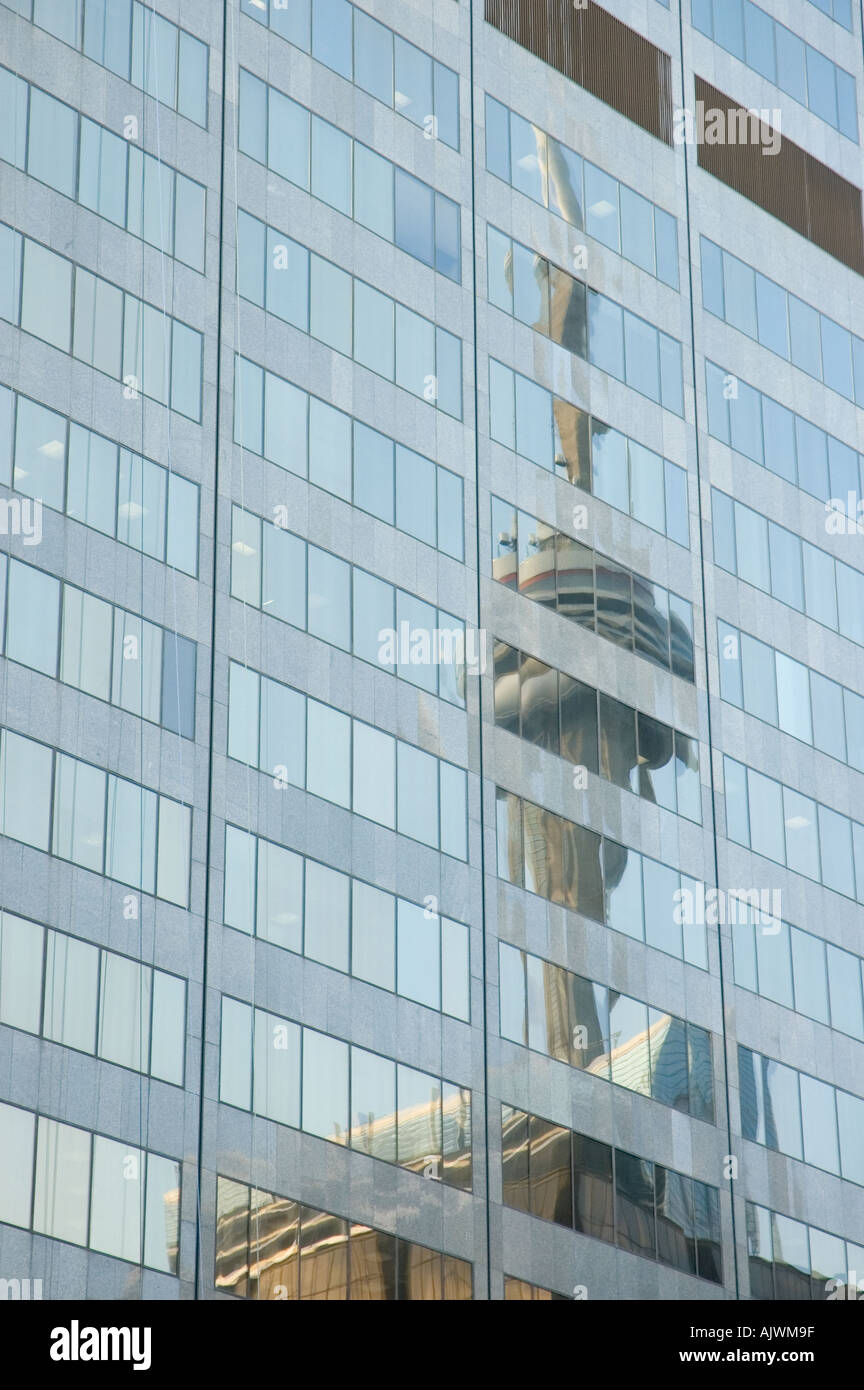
(592, 1188)
(506, 687)
(514, 1161)
(634, 1187)
(549, 1170)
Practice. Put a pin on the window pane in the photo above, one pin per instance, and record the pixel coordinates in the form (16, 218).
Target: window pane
(16, 1162)
(820, 1124)
(131, 845)
(497, 139)
(413, 89)
(85, 657)
(793, 697)
(418, 953)
(329, 598)
(373, 57)
(52, 150)
(374, 330)
(330, 305)
(325, 1086)
(235, 1054)
(601, 206)
(782, 1110)
(79, 807)
(373, 935)
(161, 1221)
(277, 1069)
(414, 218)
(374, 784)
(328, 753)
(21, 972)
(287, 137)
(774, 963)
(32, 631)
(169, 1027)
(455, 974)
(417, 794)
(331, 35)
(634, 1183)
(373, 188)
(25, 790)
(808, 968)
(280, 896)
(850, 1115)
(845, 990)
(116, 1199)
(415, 351)
(373, 602)
(661, 929)
(172, 880)
(373, 1104)
(285, 427)
(329, 448)
(331, 165)
(124, 1012)
(61, 1196)
(282, 732)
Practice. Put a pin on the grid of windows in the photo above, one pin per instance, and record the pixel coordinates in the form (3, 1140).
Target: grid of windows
(793, 697)
(349, 176)
(586, 196)
(551, 432)
(792, 829)
(794, 1262)
(601, 1031)
(800, 971)
(101, 171)
(97, 482)
(530, 557)
(781, 322)
(80, 1187)
(71, 635)
(130, 39)
(591, 874)
(593, 730)
(308, 436)
(299, 583)
(320, 298)
(776, 53)
(90, 999)
(599, 1191)
(349, 41)
(795, 1114)
(107, 824)
(343, 1093)
(782, 564)
(590, 325)
(344, 922)
(304, 743)
(782, 441)
(100, 324)
(270, 1247)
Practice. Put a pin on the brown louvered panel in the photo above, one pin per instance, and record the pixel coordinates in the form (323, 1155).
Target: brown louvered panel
(791, 185)
(593, 48)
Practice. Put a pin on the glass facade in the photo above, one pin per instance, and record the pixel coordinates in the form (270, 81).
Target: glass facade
(366, 931)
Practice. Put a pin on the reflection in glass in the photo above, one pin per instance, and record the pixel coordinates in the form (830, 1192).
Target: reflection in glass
(634, 1186)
